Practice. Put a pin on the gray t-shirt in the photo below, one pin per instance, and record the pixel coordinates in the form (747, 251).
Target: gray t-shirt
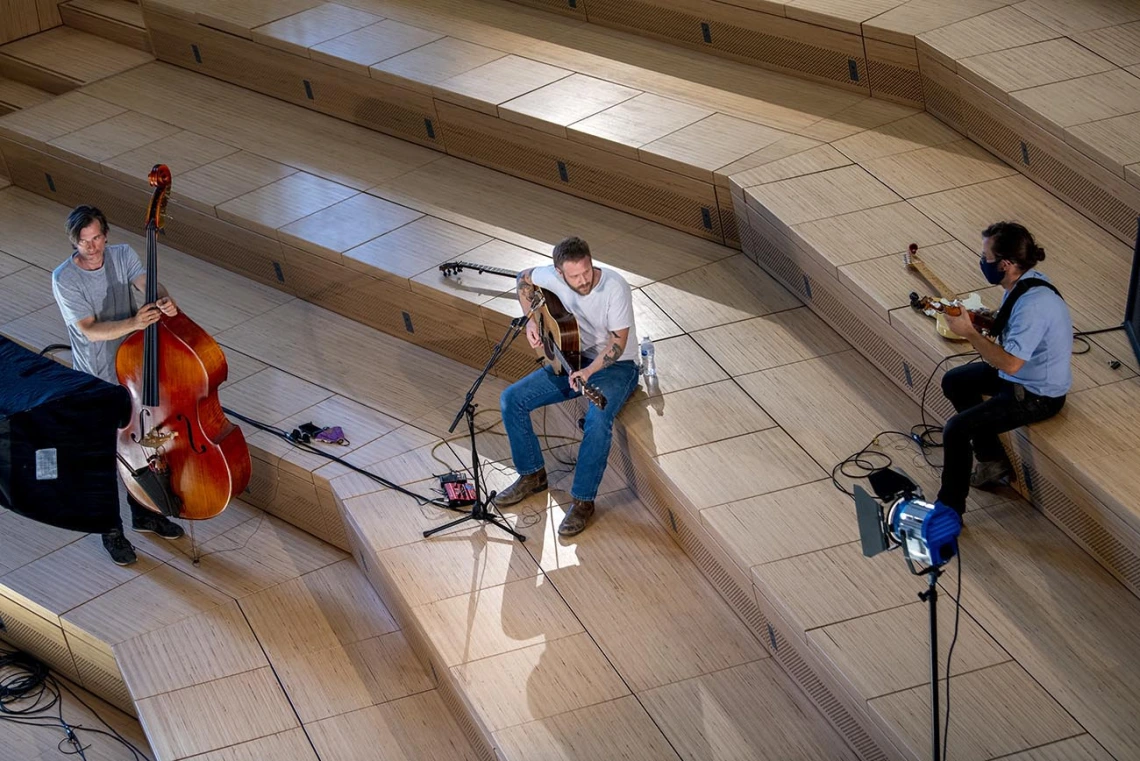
(104, 294)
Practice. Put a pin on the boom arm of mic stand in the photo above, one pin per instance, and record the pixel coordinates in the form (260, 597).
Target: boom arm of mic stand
(516, 326)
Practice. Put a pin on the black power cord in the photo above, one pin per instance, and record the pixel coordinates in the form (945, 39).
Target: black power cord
(950, 652)
(420, 499)
(29, 691)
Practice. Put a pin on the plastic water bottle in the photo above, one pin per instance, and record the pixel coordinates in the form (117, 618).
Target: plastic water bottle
(648, 364)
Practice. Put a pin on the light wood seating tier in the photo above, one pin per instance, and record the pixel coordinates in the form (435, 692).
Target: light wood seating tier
(1051, 86)
(587, 651)
(117, 20)
(1076, 166)
(518, 128)
(757, 384)
(23, 18)
(62, 59)
(904, 155)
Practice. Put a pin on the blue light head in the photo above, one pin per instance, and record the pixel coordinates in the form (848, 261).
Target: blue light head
(928, 533)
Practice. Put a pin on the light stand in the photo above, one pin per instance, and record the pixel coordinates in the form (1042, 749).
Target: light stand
(930, 596)
(927, 533)
(480, 510)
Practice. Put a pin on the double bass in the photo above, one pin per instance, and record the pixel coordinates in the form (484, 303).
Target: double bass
(178, 455)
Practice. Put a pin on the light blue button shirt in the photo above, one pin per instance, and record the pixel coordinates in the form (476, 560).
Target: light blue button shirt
(1040, 331)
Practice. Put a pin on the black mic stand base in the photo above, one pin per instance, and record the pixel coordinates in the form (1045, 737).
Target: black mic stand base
(481, 511)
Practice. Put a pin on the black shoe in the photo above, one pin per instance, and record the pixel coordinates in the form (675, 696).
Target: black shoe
(157, 524)
(119, 548)
(990, 473)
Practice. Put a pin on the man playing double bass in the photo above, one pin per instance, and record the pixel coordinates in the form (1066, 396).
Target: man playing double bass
(93, 291)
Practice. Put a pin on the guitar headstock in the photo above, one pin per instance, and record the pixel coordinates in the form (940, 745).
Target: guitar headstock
(595, 395)
(910, 256)
(452, 268)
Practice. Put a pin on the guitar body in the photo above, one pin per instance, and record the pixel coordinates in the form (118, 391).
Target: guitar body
(557, 326)
(559, 329)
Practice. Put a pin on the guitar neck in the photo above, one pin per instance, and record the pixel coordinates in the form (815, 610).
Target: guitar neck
(933, 280)
(480, 268)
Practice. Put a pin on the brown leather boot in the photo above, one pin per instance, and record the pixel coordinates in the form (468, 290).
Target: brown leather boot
(576, 518)
(523, 487)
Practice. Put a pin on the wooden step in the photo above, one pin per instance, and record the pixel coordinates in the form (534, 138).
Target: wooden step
(120, 21)
(254, 173)
(16, 95)
(62, 59)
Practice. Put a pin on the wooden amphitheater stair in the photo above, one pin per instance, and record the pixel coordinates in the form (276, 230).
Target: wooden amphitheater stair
(118, 20)
(694, 304)
(63, 58)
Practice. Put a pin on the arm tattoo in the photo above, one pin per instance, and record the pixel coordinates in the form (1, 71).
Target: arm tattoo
(614, 352)
(525, 288)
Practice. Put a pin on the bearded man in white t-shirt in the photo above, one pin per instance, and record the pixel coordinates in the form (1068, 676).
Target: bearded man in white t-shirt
(601, 301)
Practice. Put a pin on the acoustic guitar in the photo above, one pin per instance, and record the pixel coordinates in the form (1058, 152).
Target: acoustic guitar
(557, 327)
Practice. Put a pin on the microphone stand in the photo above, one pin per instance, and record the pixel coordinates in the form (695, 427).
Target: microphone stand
(480, 511)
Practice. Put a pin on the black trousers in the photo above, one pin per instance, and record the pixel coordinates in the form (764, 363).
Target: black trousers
(137, 510)
(973, 432)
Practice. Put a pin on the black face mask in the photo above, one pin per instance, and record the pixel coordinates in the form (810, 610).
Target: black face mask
(990, 271)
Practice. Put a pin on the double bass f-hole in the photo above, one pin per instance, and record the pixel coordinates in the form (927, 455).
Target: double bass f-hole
(190, 434)
(144, 413)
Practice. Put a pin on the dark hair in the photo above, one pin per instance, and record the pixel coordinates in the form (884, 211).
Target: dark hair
(1013, 243)
(570, 250)
(79, 218)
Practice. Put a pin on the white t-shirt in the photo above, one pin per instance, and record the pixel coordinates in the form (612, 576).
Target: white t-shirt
(608, 307)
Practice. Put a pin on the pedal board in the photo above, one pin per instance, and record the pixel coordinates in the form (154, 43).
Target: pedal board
(458, 491)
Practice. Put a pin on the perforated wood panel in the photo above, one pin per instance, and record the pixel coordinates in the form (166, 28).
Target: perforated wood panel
(262, 489)
(727, 218)
(1033, 159)
(297, 503)
(845, 322)
(480, 743)
(33, 634)
(71, 185)
(394, 310)
(697, 216)
(1080, 191)
(895, 82)
(751, 45)
(788, 656)
(225, 245)
(820, 297)
(944, 104)
(760, 249)
(322, 88)
(1120, 560)
(99, 674)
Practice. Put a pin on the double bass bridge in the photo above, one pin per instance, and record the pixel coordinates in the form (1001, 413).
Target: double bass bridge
(156, 437)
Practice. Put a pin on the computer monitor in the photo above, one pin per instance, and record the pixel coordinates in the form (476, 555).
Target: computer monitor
(1132, 309)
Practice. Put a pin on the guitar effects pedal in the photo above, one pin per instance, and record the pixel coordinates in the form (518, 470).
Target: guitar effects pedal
(458, 491)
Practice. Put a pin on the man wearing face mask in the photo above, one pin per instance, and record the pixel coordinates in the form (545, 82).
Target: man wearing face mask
(601, 301)
(1025, 373)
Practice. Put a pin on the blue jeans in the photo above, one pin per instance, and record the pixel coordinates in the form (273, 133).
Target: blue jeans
(543, 387)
